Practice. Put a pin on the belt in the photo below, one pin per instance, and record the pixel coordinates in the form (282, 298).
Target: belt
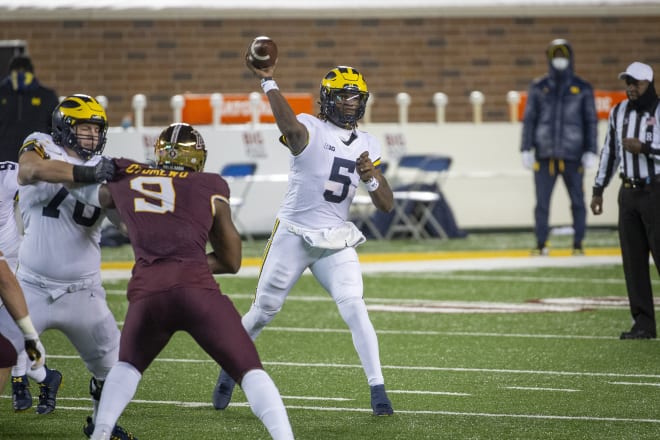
(635, 183)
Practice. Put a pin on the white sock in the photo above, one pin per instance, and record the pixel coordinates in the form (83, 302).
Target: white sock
(354, 312)
(22, 366)
(266, 404)
(255, 320)
(118, 390)
(39, 375)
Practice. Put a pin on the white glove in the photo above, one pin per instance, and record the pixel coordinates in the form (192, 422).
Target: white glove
(589, 160)
(528, 159)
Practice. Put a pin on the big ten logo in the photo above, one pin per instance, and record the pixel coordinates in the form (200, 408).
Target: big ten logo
(148, 142)
(395, 144)
(253, 141)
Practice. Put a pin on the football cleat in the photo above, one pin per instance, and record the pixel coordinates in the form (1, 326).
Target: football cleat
(540, 252)
(118, 433)
(379, 401)
(48, 391)
(20, 393)
(223, 391)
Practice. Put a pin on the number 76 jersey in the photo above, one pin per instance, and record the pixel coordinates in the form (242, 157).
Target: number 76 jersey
(62, 235)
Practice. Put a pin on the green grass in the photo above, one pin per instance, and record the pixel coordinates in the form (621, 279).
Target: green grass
(548, 375)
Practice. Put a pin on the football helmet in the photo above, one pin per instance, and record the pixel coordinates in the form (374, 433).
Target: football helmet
(74, 110)
(342, 84)
(180, 147)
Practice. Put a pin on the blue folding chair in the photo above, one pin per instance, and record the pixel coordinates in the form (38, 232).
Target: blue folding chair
(414, 201)
(239, 176)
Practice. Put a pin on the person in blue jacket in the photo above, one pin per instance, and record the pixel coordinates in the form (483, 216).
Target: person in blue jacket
(559, 138)
(26, 106)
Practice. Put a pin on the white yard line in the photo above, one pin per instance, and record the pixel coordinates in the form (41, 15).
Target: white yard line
(368, 410)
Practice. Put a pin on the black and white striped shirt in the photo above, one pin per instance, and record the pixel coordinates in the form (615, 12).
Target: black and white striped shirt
(626, 122)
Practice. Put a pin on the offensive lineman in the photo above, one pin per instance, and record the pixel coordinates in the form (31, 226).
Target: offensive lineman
(329, 157)
(171, 211)
(60, 257)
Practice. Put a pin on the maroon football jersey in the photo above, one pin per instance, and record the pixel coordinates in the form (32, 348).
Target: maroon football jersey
(168, 215)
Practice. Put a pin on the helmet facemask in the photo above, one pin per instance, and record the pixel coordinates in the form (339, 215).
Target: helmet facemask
(180, 148)
(340, 89)
(67, 117)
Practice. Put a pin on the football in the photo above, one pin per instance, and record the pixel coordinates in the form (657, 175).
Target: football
(262, 52)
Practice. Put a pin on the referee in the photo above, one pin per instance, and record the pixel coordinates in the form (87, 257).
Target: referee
(632, 149)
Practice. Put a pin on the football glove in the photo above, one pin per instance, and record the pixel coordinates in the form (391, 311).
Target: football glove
(36, 352)
(103, 171)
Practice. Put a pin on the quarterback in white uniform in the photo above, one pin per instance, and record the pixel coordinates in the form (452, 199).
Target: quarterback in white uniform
(60, 257)
(329, 158)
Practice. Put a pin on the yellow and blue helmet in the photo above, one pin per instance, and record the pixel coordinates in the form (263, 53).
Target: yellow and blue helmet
(339, 83)
(74, 110)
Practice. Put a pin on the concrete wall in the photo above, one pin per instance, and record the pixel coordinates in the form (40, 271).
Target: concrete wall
(486, 187)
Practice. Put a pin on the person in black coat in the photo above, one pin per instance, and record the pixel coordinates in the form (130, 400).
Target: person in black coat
(559, 138)
(26, 106)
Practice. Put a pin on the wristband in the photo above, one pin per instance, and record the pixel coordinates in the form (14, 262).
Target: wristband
(268, 84)
(26, 326)
(83, 174)
(372, 184)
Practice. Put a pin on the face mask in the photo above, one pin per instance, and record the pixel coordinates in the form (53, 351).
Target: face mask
(560, 63)
(21, 80)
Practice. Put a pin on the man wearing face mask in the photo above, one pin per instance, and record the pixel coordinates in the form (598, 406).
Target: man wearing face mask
(632, 150)
(559, 138)
(25, 107)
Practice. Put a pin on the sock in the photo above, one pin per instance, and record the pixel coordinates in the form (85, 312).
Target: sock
(38, 375)
(22, 366)
(255, 320)
(365, 341)
(266, 404)
(118, 390)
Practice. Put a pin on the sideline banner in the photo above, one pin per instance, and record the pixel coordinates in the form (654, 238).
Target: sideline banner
(236, 108)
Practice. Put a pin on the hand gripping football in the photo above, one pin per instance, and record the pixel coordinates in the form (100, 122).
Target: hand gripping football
(262, 52)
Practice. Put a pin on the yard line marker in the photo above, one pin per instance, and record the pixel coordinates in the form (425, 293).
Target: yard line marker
(411, 368)
(434, 393)
(398, 411)
(643, 384)
(567, 390)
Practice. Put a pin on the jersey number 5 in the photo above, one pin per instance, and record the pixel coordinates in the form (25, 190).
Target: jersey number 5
(337, 176)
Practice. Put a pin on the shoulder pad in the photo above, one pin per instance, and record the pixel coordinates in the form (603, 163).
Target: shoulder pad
(34, 145)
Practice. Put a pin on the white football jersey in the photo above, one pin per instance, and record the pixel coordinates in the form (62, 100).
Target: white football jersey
(61, 237)
(10, 238)
(322, 178)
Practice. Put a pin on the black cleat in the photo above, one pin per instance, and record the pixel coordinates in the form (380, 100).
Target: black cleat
(48, 391)
(379, 401)
(20, 393)
(118, 433)
(637, 334)
(223, 391)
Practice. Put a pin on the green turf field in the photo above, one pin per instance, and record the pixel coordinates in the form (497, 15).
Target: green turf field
(547, 365)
